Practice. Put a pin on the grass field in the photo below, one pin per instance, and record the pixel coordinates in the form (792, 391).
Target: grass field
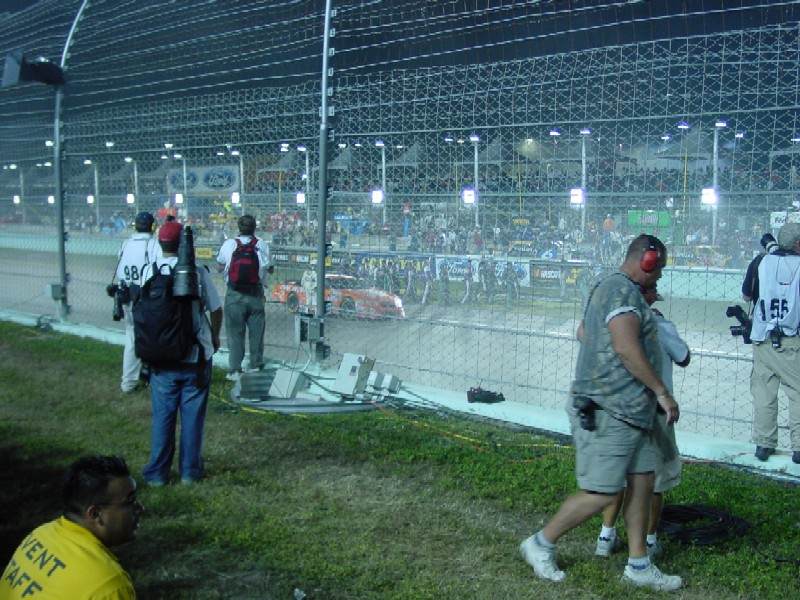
(385, 504)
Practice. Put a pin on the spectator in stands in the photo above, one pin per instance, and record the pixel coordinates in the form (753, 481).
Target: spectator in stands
(69, 557)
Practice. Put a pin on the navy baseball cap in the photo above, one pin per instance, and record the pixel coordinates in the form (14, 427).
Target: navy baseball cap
(144, 221)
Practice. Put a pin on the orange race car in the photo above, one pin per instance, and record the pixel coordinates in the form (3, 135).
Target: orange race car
(348, 297)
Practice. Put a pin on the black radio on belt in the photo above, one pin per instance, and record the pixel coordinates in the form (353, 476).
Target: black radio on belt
(775, 337)
(586, 408)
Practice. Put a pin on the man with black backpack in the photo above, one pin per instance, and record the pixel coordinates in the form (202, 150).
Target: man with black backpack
(245, 262)
(177, 341)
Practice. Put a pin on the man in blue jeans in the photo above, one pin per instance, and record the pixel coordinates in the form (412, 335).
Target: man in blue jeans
(182, 388)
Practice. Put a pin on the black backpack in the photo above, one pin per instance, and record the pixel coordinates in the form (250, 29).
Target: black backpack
(162, 324)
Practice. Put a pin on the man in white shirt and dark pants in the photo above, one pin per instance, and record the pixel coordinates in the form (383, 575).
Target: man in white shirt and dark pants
(134, 255)
(245, 262)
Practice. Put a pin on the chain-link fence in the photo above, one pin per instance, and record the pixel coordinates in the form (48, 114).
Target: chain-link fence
(516, 145)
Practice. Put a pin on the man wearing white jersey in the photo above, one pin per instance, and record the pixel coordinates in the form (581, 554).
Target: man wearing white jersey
(137, 252)
(776, 345)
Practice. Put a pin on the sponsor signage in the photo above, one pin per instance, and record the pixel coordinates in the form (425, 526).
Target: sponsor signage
(221, 179)
(779, 218)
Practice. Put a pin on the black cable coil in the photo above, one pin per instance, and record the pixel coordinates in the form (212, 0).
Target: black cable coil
(701, 525)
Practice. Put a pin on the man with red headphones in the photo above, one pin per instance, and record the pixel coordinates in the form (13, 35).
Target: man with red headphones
(612, 409)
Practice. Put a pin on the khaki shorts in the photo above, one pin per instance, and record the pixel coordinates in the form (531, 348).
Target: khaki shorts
(605, 456)
(668, 471)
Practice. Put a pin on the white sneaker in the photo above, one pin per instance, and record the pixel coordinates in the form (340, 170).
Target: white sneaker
(606, 546)
(655, 550)
(652, 578)
(543, 560)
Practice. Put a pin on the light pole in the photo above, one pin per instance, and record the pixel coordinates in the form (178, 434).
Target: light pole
(719, 124)
(185, 196)
(95, 198)
(132, 161)
(238, 155)
(585, 132)
(380, 144)
(475, 140)
(304, 150)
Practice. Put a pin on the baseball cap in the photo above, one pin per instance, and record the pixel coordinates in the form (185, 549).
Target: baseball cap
(143, 221)
(170, 232)
(788, 235)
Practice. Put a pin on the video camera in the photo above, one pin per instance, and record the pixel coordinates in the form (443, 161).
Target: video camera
(745, 324)
(121, 294)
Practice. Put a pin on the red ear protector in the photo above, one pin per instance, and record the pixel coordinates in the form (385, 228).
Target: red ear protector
(651, 257)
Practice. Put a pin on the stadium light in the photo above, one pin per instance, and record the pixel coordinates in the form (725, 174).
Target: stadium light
(468, 196)
(235, 197)
(130, 198)
(666, 137)
(377, 197)
(300, 197)
(739, 135)
(109, 144)
(448, 139)
(683, 125)
(379, 144)
(576, 197)
(709, 197)
(178, 198)
(474, 138)
(48, 143)
(47, 163)
(12, 166)
(585, 131)
(235, 153)
(164, 157)
(168, 145)
(341, 145)
(555, 133)
(17, 69)
(220, 153)
(90, 199)
(358, 144)
(51, 199)
(16, 199)
(720, 123)
(795, 139)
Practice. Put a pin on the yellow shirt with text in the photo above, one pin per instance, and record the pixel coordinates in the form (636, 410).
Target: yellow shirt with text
(62, 560)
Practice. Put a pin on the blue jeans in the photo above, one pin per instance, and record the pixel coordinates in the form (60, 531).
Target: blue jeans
(174, 391)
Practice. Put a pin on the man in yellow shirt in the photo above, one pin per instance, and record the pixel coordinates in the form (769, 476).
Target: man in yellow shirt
(69, 558)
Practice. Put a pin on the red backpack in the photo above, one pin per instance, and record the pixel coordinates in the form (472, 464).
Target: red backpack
(243, 270)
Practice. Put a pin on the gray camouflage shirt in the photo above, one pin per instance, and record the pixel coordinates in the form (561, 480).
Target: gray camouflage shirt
(599, 373)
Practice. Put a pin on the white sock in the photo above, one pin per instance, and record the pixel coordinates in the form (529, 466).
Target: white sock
(639, 564)
(543, 541)
(652, 538)
(608, 532)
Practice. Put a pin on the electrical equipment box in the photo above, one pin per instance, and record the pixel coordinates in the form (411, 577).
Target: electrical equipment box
(352, 376)
(286, 383)
(383, 383)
